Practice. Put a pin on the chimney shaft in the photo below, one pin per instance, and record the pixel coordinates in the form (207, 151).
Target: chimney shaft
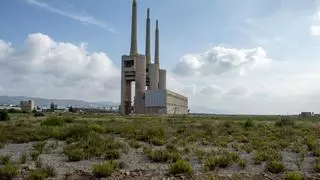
(148, 53)
(156, 54)
(133, 47)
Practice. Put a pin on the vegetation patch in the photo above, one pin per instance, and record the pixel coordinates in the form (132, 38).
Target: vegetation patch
(104, 169)
(293, 175)
(4, 115)
(8, 171)
(275, 166)
(5, 159)
(180, 166)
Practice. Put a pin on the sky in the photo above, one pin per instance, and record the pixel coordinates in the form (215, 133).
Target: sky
(246, 57)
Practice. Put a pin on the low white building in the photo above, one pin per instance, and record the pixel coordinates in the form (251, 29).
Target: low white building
(165, 102)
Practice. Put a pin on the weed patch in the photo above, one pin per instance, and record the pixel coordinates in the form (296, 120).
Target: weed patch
(275, 166)
(104, 169)
(180, 166)
(293, 176)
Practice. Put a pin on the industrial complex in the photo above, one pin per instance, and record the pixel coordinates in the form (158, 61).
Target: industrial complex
(151, 93)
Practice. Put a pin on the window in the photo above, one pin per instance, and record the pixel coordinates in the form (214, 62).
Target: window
(128, 64)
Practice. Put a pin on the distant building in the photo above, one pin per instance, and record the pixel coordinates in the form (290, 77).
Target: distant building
(165, 102)
(307, 114)
(28, 105)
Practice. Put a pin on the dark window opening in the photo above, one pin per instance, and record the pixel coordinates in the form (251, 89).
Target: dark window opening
(128, 64)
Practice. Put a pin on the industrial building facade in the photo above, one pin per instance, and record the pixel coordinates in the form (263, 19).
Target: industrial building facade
(165, 102)
(151, 93)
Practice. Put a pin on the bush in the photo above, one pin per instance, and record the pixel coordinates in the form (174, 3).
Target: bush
(159, 156)
(75, 154)
(104, 169)
(248, 123)
(23, 158)
(4, 115)
(12, 110)
(37, 174)
(34, 155)
(275, 166)
(42, 173)
(267, 155)
(38, 114)
(221, 161)
(293, 176)
(8, 171)
(242, 163)
(284, 121)
(112, 155)
(52, 121)
(39, 146)
(317, 165)
(135, 144)
(180, 166)
(5, 159)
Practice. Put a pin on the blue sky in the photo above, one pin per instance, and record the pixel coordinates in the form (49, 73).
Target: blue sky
(211, 48)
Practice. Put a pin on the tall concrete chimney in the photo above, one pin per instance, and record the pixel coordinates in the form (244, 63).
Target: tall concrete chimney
(148, 53)
(133, 47)
(156, 51)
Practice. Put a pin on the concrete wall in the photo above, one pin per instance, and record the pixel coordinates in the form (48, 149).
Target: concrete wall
(176, 103)
(165, 101)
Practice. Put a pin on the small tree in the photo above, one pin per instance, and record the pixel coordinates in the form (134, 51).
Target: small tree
(4, 116)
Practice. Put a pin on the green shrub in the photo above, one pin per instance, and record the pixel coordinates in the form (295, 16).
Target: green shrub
(4, 115)
(75, 132)
(275, 166)
(248, 123)
(68, 119)
(39, 146)
(2, 145)
(75, 154)
(180, 166)
(267, 155)
(171, 148)
(284, 121)
(112, 154)
(5, 159)
(317, 165)
(52, 121)
(42, 173)
(200, 153)
(34, 155)
(38, 114)
(135, 144)
(23, 158)
(104, 169)
(159, 155)
(37, 175)
(157, 141)
(311, 143)
(293, 176)
(12, 110)
(49, 170)
(242, 163)
(8, 171)
(221, 161)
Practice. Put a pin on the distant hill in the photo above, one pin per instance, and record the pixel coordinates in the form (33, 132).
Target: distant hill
(60, 102)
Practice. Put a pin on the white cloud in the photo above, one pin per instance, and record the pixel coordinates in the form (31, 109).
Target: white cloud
(219, 60)
(74, 16)
(315, 30)
(48, 68)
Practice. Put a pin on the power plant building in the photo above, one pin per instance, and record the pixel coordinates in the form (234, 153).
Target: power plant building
(151, 93)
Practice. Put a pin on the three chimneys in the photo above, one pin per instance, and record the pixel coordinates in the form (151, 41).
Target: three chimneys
(134, 46)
